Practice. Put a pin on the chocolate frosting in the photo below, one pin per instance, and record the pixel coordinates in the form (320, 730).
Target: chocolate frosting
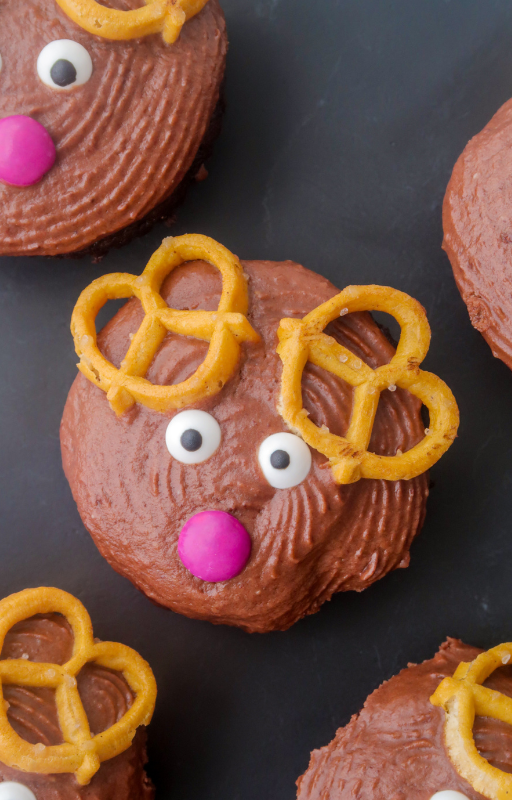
(394, 749)
(125, 139)
(477, 219)
(33, 714)
(307, 542)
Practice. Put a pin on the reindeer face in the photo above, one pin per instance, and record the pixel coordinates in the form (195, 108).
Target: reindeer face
(95, 133)
(288, 536)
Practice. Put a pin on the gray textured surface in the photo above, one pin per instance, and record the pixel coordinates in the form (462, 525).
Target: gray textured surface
(344, 121)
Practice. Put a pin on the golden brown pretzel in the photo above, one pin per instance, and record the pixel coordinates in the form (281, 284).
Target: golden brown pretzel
(81, 752)
(303, 340)
(463, 697)
(225, 328)
(157, 16)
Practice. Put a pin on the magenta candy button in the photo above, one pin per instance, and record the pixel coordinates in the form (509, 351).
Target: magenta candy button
(26, 151)
(214, 546)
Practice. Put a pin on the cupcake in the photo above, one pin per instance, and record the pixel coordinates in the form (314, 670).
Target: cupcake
(106, 116)
(72, 708)
(477, 221)
(417, 736)
(232, 460)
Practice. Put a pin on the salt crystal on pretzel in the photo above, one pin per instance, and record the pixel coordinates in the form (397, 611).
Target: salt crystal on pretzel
(225, 329)
(157, 16)
(81, 752)
(463, 698)
(303, 340)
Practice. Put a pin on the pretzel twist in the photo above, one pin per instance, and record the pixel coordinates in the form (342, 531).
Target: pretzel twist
(303, 340)
(225, 329)
(157, 16)
(463, 698)
(81, 752)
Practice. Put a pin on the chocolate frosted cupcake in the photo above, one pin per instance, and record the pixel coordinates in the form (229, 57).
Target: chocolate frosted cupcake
(403, 744)
(69, 724)
(206, 482)
(101, 132)
(477, 221)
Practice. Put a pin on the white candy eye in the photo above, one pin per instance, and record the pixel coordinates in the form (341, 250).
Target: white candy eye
(64, 63)
(10, 790)
(285, 460)
(192, 436)
(449, 794)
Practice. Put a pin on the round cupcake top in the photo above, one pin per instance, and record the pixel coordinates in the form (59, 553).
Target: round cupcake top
(142, 483)
(58, 666)
(395, 746)
(120, 122)
(477, 221)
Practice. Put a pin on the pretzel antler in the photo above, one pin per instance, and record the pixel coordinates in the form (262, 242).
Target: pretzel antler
(225, 328)
(303, 340)
(81, 753)
(157, 16)
(463, 697)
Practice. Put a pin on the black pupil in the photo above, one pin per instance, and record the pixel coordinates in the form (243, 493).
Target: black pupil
(63, 72)
(191, 440)
(280, 459)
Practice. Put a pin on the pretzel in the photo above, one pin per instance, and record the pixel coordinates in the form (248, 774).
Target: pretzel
(225, 328)
(463, 697)
(303, 340)
(157, 16)
(81, 752)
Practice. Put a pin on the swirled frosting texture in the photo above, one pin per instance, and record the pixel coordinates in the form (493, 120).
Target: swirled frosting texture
(394, 749)
(124, 140)
(33, 714)
(307, 542)
(477, 220)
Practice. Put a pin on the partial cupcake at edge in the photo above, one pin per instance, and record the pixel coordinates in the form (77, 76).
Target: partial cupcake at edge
(441, 730)
(106, 116)
(73, 709)
(237, 463)
(477, 222)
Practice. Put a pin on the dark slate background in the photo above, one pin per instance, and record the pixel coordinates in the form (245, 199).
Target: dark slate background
(345, 118)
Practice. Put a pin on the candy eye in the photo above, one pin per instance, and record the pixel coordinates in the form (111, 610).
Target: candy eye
(449, 794)
(10, 790)
(285, 460)
(192, 436)
(64, 63)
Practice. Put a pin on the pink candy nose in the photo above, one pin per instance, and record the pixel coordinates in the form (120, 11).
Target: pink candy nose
(26, 151)
(214, 546)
